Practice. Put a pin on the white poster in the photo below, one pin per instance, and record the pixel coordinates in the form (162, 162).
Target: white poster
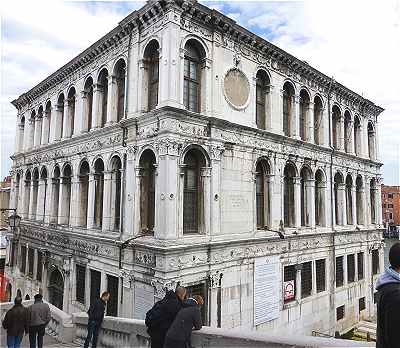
(144, 300)
(267, 288)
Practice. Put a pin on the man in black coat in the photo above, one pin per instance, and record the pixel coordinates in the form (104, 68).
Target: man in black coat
(96, 316)
(188, 318)
(161, 316)
(16, 323)
(388, 303)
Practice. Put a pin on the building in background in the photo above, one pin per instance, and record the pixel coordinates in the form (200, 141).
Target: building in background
(391, 210)
(5, 189)
(181, 148)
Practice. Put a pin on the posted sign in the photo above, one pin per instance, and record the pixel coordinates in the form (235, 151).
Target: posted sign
(288, 290)
(267, 288)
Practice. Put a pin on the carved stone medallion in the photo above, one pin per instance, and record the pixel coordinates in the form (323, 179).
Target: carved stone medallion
(236, 88)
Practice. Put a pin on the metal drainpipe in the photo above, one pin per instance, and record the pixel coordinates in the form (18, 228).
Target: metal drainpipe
(333, 277)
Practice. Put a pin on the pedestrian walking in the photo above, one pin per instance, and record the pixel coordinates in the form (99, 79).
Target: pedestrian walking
(188, 318)
(16, 323)
(96, 316)
(38, 317)
(160, 317)
(388, 302)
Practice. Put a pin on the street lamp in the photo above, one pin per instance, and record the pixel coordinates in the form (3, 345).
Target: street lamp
(13, 220)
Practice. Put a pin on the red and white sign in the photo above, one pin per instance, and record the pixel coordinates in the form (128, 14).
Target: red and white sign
(288, 290)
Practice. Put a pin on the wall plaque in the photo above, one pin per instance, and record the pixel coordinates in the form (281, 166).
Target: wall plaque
(236, 88)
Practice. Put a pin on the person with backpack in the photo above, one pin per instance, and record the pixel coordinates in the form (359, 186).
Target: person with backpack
(16, 323)
(188, 318)
(388, 302)
(160, 317)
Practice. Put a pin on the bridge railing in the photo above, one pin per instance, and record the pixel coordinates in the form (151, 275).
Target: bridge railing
(123, 332)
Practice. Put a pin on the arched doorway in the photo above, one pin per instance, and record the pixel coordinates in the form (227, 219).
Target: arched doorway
(56, 289)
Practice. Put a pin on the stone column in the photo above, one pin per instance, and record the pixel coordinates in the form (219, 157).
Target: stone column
(20, 139)
(310, 121)
(97, 106)
(32, 208)
(367, 204)
(298, 284)
(85, 111)
(112, 100)
(378, 197)
(106, 225)
(48, 201)
(40, 200)
(64, 201)
(128, 215)
(216, 191)
(137, 202)
(341, 134)
(351, 138)
(37, 131)
(45, 129)
(67, 122)
(75, 201)
(143, 87)
(345, 275)
(377, 149)
(205, 177)
(310, 190)
(276, 101)
(295, 117)
(354, 208)
(30, 134)
(297, 203)
(342, 204)
(272, 222)
(58, 119)
(91, 201)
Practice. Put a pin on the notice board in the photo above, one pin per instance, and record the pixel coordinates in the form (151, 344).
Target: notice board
(267, 288)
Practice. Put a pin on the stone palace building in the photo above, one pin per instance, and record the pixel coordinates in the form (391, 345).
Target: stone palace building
(181, 148)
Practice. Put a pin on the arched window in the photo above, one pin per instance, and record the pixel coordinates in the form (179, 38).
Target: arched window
(305, 196)
(192, 193)
(359, 201)
(120, 74)
(103, 95)
(371, 141)
(60, 123)
(43, 194)
(56, 289)
(194, 54)
(116, 167)
(47, 130)
(347, 132)
(288, 109)
(84, 171)
(349, 199)
(304, 118)
(262, 98)
(336, 127)
(357, 136)
(99, 192)
(147, 191)
(88, 103)
(262, 194)
(320, 187)
(55, 195)
(288, 195)
(151, 57)
(34, 199)
(65, 203)
(318, 121)
(337, 187)
(21, 135)
(71, 112)
(372, 196)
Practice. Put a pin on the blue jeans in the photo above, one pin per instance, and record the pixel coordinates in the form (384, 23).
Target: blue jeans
(93, 334)
(14, 341)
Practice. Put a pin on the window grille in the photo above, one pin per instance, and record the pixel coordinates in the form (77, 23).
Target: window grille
(340, 313)
(351, 270)
(191, 195)
(339, 271)
(23, 259)
(80, 283)
(321, 276)
(361, 304)
(360, 265)
(306, 279)
(375, 261)
(191, 83)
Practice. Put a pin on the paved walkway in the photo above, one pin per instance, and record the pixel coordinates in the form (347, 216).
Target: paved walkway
(48, 342)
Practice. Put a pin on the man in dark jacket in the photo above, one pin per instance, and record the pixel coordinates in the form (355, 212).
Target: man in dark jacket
(388, 303)
(38, 316)
(189, 317)
(16, 323)
(161, 316)
(96, 316)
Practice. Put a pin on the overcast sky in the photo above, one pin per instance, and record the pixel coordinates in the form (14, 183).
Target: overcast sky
(356, 42)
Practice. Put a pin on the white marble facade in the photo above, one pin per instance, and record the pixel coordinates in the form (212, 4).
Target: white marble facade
(203, 141)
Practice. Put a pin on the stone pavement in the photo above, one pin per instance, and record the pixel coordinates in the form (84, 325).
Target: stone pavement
(48, 342)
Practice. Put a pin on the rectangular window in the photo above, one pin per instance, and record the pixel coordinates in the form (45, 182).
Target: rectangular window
(320, 273)
(202, 290)
(361, 304)
(391, 216)
(39, 269)
(31, 259)
(339, 271)
(289, 274)
(23, 259)
(351, 268)
(375, 261)
(360, 265)
(340, 313)
(390, 195)
(112, 288)
(80, 283)
(306, 279)
(390, 206)
(95, 280)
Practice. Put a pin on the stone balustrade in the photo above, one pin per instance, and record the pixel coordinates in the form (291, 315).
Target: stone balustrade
(122, 332)
(60, 326)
